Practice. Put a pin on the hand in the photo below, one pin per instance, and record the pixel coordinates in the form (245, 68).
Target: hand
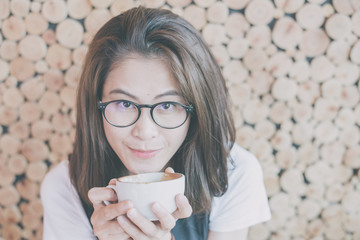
(140, 228)
(104, 217)
(130, 223)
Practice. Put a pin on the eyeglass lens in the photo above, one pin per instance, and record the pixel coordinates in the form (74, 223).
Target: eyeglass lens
(125, 113)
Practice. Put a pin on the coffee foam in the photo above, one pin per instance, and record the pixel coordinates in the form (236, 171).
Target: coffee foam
(149, 178)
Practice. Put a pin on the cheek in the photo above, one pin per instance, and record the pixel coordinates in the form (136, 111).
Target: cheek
(179, 137)
(112, 134)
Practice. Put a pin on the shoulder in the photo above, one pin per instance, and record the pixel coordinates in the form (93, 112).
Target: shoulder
(60, 171)
(242, 163)
(56, 180)
(56, 187)
(63, 211)
(244, 171)
(245, 202)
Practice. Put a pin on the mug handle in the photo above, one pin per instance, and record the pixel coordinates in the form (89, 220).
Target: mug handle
(106, 202)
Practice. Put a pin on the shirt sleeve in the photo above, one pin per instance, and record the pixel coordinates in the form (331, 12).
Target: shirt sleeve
(64, 216)
(245, 203)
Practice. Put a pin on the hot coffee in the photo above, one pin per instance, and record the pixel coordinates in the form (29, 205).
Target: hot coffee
(145, 189)
(149, 177)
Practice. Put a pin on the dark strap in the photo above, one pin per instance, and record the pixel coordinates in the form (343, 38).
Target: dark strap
(195, 227)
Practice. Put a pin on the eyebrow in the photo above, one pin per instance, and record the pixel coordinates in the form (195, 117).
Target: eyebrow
(120, 91)
(167, 93)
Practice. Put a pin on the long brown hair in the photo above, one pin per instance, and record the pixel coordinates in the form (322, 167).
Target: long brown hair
(203, 155)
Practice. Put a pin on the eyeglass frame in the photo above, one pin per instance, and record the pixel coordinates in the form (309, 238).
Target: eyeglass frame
(102, 106)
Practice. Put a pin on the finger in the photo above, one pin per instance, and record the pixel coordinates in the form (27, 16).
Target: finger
(110, 230)
(112, 181)
(166, 220)
(184, 209)
(145, 225)
(120, 236)
(165, 224)
(131, 229)
(110, 212)
(97, 196)
(169, 170)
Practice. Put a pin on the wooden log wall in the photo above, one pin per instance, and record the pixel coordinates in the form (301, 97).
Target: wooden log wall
(292, 67)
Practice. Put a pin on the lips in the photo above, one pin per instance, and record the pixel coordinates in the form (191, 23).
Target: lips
(144, 153)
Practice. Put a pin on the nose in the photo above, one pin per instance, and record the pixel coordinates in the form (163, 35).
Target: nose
(145, 128)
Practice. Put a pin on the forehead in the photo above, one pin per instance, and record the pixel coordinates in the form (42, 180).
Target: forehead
(141, 76)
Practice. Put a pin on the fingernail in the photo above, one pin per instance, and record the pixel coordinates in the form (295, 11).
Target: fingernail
(121, 219)
(182, 198)
(128, 204)
(132, 212)
(156, 207)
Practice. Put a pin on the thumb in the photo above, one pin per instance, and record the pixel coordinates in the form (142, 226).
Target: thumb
(169, 170)
(112, 181)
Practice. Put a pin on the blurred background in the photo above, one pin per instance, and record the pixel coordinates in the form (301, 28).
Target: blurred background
(292, 68)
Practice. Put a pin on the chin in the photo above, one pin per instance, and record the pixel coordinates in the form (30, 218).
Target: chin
(142, 170)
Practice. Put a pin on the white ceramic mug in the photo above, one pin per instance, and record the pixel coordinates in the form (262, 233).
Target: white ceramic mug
(145, 189)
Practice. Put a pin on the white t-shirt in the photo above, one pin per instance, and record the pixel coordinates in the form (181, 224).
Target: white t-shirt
(243, 205)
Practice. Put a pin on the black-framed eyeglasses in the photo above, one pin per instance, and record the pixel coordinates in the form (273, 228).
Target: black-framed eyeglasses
(123, 113)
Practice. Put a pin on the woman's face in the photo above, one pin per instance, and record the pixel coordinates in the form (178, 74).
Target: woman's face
(143, 146)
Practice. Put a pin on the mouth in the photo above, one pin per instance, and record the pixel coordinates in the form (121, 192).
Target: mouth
(145, 154)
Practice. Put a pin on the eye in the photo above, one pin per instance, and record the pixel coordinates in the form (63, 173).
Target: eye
(124, 105)
(166, 106)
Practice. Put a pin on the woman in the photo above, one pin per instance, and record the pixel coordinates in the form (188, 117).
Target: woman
(152, 98)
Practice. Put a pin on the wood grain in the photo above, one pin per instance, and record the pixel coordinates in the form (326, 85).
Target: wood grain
(293, 72)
